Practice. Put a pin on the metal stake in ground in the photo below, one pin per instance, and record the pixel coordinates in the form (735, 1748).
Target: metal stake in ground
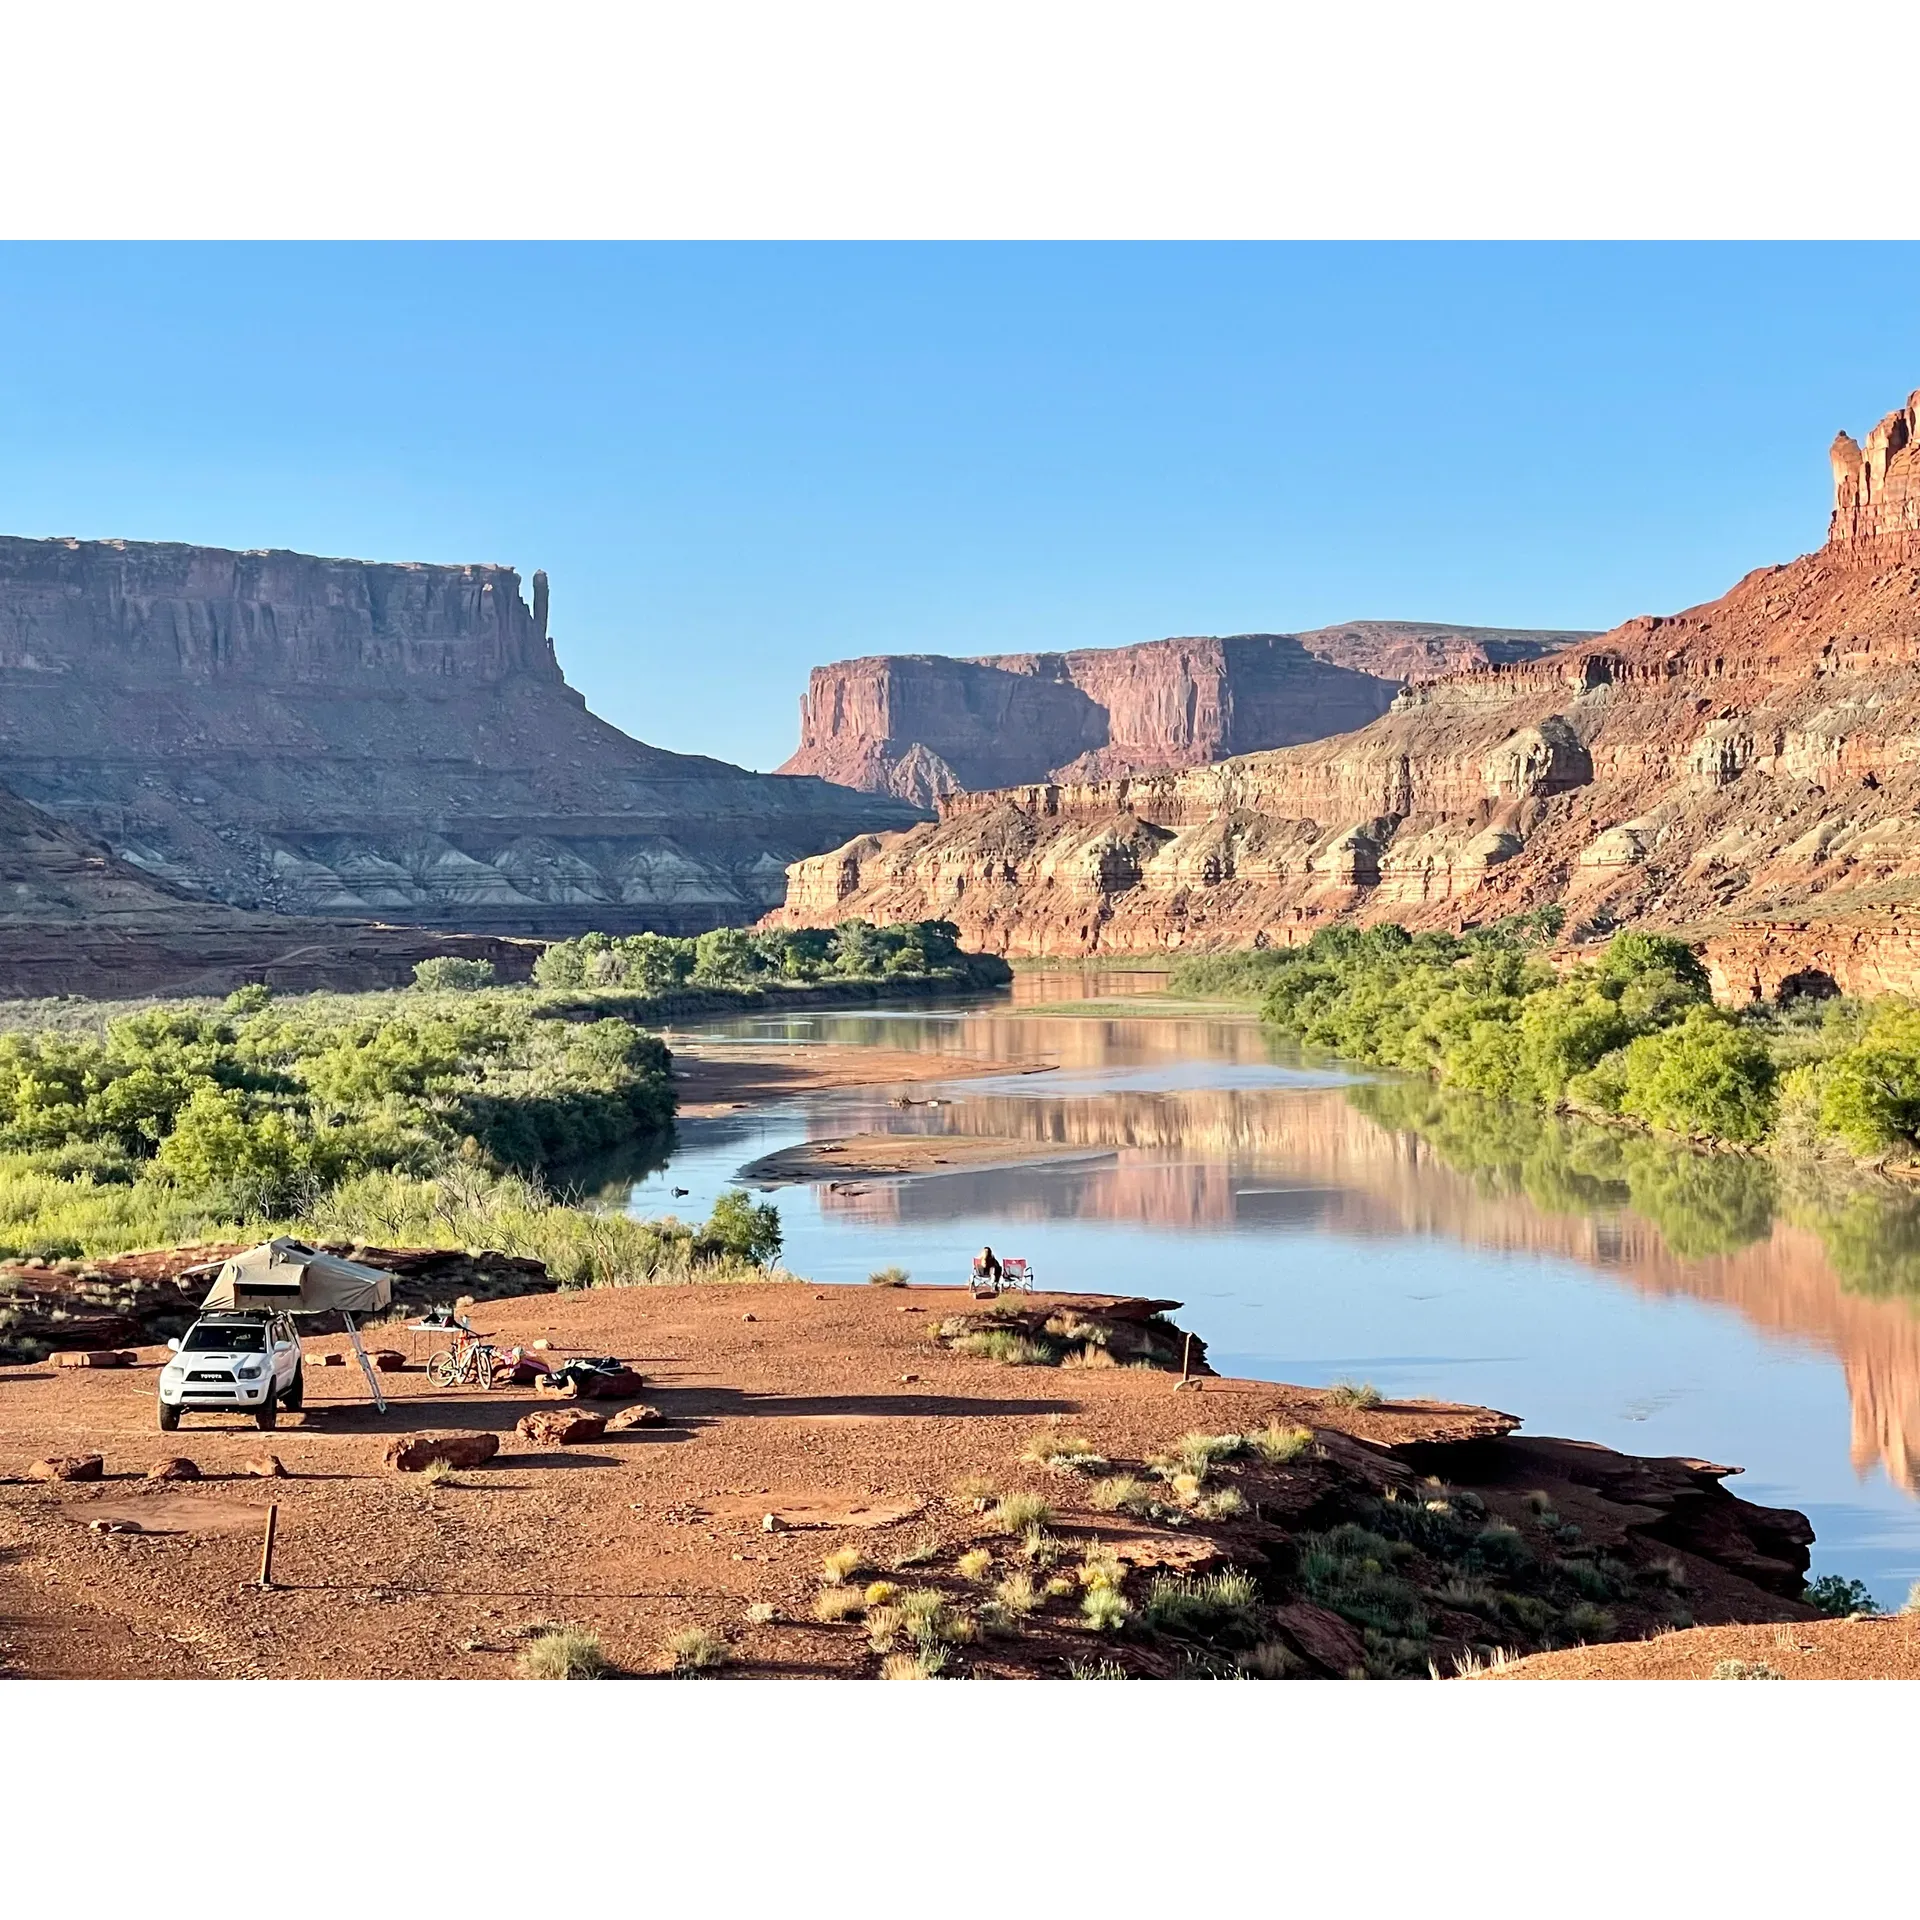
(266, 1543)
(1187, 1381)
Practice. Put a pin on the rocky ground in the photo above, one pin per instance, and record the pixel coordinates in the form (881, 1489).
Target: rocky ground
(798, 1422)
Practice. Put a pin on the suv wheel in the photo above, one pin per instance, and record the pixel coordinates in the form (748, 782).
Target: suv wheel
(296, 1389)
(169, 1418)
(267, 1412)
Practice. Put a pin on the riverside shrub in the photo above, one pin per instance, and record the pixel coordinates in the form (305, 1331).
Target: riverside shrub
(1631, 1034)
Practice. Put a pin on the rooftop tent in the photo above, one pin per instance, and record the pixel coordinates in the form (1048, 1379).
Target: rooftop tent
(288, 1276)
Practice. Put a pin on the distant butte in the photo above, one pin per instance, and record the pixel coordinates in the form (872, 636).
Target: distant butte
(1748, 770)
(924, 725)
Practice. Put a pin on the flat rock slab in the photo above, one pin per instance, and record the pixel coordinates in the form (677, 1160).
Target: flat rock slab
(417, 1451)
(814, 1509)
(98, 1357)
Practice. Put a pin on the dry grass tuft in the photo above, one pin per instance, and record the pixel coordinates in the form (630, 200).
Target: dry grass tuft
(563, 1653)
(975, 1493)
(974, 1566)
(1227, 1504)
(917, 1552)
(1270, 1660)
(1277, 1444)
(889, 1277)
(698, 1651)
(1062, 1453)
(881, 1593)
(1353, 1393)
(1122, 1493)
(1104, 1610)
(760, 1614)
(1020, 1512)
(927, 1664)
(437, 1473)
(1015, 1595)
(1090, 1359)
(833, 1604)
(841, 1565)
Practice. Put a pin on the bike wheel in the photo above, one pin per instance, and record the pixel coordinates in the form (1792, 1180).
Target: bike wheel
(443, 1370)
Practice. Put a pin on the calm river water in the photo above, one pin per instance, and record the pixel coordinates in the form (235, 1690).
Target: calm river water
(1320, 1224)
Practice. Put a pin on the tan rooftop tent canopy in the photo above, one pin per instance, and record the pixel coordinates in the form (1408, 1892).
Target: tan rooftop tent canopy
(288, 1276)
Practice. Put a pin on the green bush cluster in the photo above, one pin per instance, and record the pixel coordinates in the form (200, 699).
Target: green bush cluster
(654, 963)
(1633, 1034)
(258, 1108)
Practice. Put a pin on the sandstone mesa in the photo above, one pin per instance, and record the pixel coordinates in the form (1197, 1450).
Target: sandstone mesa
(1748, 769)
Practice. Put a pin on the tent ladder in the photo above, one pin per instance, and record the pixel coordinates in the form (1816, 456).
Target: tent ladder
(366, 1365)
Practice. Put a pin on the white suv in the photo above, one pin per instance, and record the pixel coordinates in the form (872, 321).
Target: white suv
(249, 1362)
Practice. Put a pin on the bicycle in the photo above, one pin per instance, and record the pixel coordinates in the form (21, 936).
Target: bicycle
(473, 1363)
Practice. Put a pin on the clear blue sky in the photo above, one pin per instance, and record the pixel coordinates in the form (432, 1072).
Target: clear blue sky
(736, 462)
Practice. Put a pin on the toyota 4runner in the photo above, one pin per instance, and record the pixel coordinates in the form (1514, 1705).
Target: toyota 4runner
(243, 1362)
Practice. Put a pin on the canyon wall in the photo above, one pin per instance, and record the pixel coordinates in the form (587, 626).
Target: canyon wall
(1751, 763)
(923, 725)
(308, 736)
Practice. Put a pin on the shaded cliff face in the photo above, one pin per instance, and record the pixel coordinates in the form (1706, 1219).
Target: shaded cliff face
(1750, 767)
(923, 725)
(75, 918)
(332, 737)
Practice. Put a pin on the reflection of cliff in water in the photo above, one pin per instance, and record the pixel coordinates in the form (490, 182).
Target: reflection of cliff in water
(1837, 1266)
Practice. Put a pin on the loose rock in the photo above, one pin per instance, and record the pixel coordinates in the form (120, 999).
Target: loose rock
(385, 1360)
(415, 1452)
(265, 1466)
(177, 1468)
(68, 1466)
(562, 1427)
(101, 1357)
(641, 1416)
(326, 1360)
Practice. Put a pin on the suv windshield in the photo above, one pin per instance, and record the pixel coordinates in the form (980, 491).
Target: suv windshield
(234, 1337)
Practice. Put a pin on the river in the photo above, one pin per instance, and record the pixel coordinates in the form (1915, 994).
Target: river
(1321, 1224)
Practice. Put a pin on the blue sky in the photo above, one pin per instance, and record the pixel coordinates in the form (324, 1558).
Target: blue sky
(737, 461)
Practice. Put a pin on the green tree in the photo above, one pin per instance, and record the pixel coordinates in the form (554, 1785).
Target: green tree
(452, 973)
(741, 1226)
(1706, 1075)
(726, 956)
(1870, 1094)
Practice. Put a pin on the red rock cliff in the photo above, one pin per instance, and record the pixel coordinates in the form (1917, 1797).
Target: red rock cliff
(1755, 761)
(923, 725)
(313, 736)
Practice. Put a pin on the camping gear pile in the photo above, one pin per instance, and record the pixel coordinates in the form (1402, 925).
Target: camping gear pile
(599, 1378)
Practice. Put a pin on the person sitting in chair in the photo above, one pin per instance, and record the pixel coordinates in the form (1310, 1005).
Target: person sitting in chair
(986, 1266)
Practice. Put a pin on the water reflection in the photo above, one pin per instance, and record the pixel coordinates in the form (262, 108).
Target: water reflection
(1319, 1223)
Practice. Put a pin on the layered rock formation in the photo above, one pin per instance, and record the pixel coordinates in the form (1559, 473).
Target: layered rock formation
(923, 725)
(1754, 760)
(334, 738)
(75, 918)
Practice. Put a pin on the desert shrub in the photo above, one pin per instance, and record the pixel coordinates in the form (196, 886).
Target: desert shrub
(974, 1565)
(1270, 1660)
(889, 1277)
(1096, 1670)
(562, 1653)
(1102, 1567)
(1226, 1503)
(1122, 1493)
(1278, 1444)
(834, 1604)
(1745, 1670)
(698, 1651)
(447, 973)
(1105, 1610)
(1587, 1621)
(880, 1593)
(1213, 1606)
(1838, 1596)
(436, 1473)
